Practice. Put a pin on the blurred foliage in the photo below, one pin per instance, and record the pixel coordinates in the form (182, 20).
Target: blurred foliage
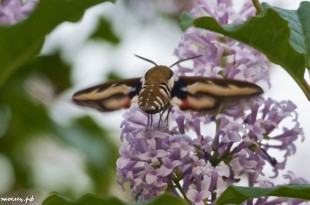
(100, 151)
(51, 68)
(5, 113)
(99, 200)
(18, 44)
(113, 76)
(104, 31)
(30, 85)
(27, 111)
(238, 194)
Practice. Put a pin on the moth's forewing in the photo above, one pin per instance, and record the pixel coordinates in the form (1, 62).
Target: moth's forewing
(109, 96)
(202, 94)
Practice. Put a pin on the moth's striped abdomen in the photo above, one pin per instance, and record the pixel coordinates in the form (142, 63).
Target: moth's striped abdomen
(155, 94)
(154, 98)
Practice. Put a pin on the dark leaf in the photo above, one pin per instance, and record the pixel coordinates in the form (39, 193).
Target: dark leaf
(88, 199)
(113, 76)
(5, 117)
(91, 199)
(238, 194)
(100, 150)
(167, 199)
(28, 119)
(52, 68)
(105, 32)
(21, 42)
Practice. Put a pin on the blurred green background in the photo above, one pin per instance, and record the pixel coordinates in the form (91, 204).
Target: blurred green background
(47, 144)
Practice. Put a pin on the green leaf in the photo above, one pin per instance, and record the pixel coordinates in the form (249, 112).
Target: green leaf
(24, 109)
(88, 199)
(105, 32)
(113, 76)
(5, 117)
(167, 199)
(282, 35)
(91, 199)
(53, 68)
(21, 42)
(28, 119)
(238, 194)
(186, 20)
(100, 151)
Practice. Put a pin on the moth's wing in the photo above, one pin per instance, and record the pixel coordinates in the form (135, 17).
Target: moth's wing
(201, 93)
(109, 96)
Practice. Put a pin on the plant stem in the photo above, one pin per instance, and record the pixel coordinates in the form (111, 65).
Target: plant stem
(258, 7)
(177, 184)
(304, 86)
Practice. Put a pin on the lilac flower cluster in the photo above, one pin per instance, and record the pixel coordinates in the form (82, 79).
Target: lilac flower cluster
(13, 11)
(156, 161)
(223, 57)
(201, 155)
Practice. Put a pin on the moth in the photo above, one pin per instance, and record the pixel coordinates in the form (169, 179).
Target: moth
(159, 90)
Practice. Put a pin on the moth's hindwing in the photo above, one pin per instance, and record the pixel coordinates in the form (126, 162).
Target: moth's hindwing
(201, 93)
(109, 96)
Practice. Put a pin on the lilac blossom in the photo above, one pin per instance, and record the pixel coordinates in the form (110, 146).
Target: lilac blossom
(13, 11)
(199, 155)
(223, 57)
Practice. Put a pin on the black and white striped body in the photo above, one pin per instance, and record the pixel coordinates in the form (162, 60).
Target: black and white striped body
(155, 94)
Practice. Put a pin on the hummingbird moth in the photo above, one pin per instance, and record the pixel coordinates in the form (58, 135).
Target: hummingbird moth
(159, 89)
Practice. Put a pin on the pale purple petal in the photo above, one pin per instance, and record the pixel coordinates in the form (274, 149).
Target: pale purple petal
(14, 11)
(122, 162)
(150, 178)
(164, 171)
(193, 195)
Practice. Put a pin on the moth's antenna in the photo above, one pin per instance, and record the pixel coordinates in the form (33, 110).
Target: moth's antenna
(186, 59)
(148, 60)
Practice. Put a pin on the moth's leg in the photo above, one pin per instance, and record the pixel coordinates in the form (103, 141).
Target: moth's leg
(161, 114)
(160, 118)
(148, 122)
(220, 109)
(151, 119)
(167, 116)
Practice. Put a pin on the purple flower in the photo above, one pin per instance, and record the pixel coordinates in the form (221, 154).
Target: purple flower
(230, 131)
(168, 166)
(295, 180)
(243, 163)
(13, 11)
(196, 197)
(199, 155)
(222, 57)
(155, 161)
